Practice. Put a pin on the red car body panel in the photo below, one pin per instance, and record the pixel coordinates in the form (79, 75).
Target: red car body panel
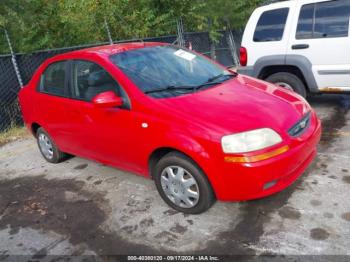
(193, 124)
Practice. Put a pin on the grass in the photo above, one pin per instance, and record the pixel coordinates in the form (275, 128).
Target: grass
(12, 134)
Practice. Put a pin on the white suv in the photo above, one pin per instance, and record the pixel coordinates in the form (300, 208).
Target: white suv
(302, 44)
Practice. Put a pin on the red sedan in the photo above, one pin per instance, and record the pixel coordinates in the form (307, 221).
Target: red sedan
(202, 132)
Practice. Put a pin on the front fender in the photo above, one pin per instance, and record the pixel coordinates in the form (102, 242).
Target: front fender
(197, 150)
(188, 146)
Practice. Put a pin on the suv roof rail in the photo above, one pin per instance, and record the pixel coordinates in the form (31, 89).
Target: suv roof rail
(269, 2)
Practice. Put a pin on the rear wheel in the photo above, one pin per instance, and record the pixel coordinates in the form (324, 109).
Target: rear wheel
(48, 148)
(182, 184)
(288, 81)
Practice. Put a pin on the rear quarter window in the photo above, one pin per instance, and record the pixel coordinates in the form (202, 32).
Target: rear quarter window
(270, 26)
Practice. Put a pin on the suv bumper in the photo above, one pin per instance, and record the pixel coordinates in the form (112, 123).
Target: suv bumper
(246, 70)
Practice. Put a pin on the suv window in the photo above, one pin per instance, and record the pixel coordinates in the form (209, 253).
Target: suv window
(271, 25)
(53, 79)
(90, 79)
(324, 20)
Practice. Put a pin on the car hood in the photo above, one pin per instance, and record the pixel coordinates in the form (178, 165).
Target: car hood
(240, 104)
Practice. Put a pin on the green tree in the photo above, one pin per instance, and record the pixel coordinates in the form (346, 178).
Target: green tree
(42, 24)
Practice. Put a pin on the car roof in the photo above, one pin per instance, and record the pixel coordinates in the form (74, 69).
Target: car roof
(104, 50)
(116, 48)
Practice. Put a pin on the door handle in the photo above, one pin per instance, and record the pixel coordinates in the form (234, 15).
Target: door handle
(301, 46)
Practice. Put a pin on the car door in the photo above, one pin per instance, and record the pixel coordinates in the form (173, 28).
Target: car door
(267, 32)
(103, 134)
(321, 34)
(50, 102)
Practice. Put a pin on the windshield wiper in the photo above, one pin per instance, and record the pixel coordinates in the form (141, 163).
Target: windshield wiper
(170, 88)
(211, 80)
(219, 76)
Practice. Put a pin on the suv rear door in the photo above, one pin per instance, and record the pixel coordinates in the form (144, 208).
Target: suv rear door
(320, 32)
(268, 30)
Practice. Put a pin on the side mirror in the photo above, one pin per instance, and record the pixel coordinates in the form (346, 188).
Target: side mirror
(107, 99)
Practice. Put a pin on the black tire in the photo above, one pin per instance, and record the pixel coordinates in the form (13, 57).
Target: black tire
(290, 79)
(57, 155)
(206, 194)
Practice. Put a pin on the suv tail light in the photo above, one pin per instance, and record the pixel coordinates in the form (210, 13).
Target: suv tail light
(243, 56)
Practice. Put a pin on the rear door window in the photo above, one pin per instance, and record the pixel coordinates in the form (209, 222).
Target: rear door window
(324, 20)
(53, 80)
(306, 22)
(271, 25)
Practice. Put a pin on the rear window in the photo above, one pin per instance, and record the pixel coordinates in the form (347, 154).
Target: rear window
(324, 20)
(271, 25)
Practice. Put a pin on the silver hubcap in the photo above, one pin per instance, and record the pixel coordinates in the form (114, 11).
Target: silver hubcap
(45, 146)
(285, 85)
(180, 186)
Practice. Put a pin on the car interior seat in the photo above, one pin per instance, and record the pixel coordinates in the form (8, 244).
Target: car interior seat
(99, 81)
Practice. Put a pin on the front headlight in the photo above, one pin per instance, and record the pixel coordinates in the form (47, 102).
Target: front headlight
(250, 141)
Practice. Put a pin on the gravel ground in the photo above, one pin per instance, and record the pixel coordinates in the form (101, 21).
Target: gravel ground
(80, 207)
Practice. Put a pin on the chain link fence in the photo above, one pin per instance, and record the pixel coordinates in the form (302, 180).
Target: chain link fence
(9, 111)
(222, 50)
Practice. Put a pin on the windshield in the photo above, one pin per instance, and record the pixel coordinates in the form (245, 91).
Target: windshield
(167, 71)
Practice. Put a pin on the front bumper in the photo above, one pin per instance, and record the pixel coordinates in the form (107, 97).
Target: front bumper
(245, 181)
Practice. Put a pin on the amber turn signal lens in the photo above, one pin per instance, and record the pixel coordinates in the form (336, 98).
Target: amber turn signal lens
(251, 159)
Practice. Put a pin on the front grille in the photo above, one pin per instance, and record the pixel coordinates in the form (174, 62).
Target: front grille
(301, 126)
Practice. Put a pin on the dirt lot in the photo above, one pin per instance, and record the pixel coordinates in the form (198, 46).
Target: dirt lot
(81, 207)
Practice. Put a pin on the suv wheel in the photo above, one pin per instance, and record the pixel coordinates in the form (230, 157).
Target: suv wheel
(289, 81)
(48, 148)
(182, 184)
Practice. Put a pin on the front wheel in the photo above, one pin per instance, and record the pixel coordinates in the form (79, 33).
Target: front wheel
(48, 148)
(182, 184)
(288, 81)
